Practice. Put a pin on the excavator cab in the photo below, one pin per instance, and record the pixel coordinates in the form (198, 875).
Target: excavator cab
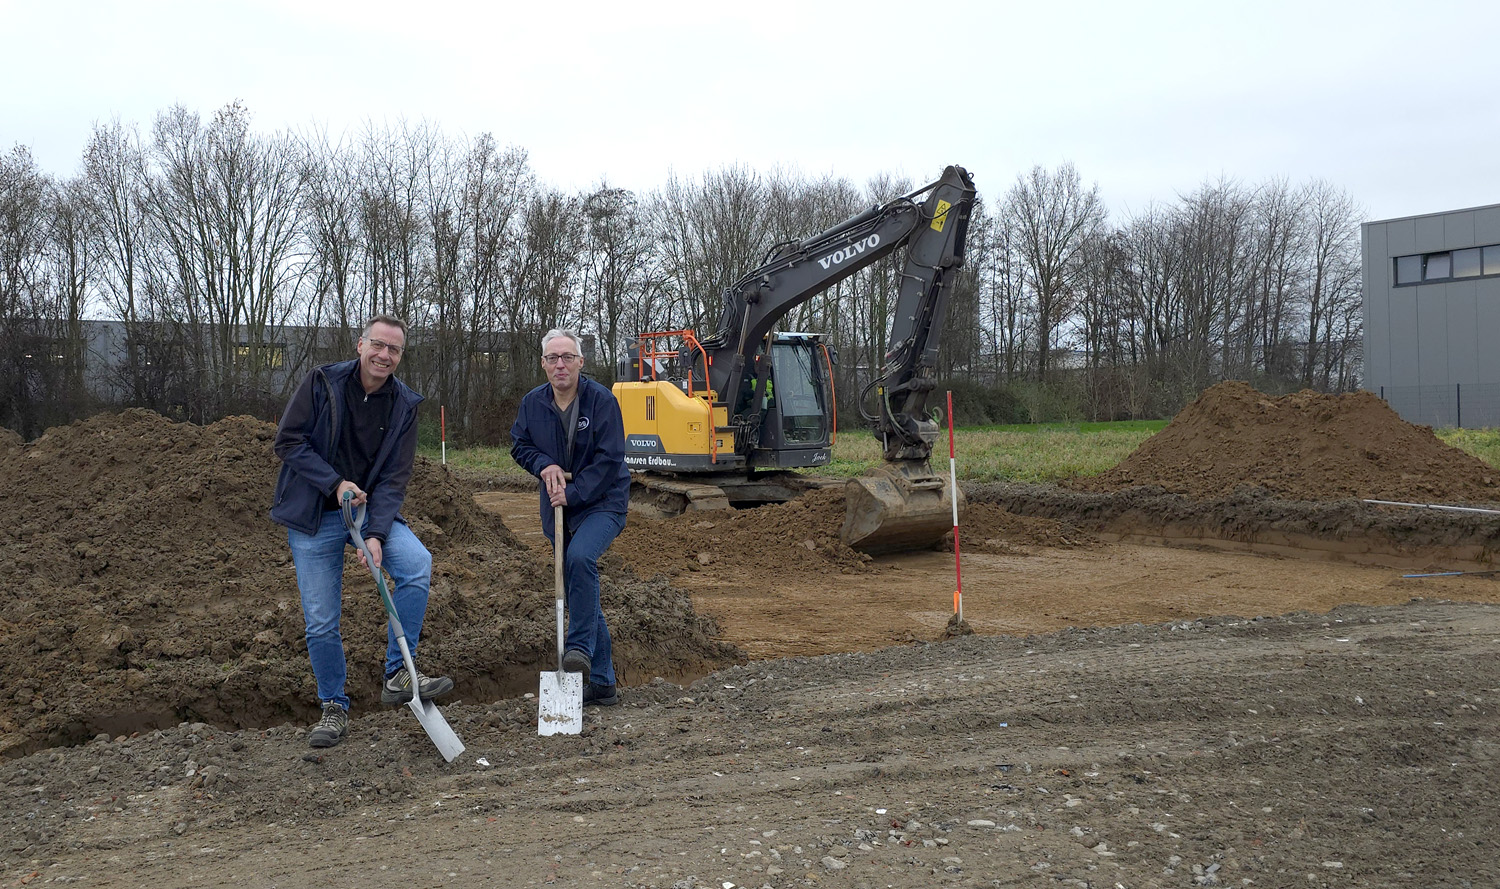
(789, 408)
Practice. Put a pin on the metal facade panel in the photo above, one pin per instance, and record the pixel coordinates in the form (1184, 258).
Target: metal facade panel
(1401, 237)
(1377, 337)
(1376, 298)
(1430, 233)
(1487, 330)
(1432, 337)
(1487, 225)
(1377, 263)
(1404, 370)
(1463, 332)
(1458, 231)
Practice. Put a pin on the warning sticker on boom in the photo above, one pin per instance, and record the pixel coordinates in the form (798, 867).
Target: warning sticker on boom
(940, 215)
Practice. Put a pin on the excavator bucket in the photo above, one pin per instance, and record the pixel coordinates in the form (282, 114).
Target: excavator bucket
(899, 506)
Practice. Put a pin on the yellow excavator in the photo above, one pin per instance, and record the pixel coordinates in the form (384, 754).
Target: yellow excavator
(720, 421)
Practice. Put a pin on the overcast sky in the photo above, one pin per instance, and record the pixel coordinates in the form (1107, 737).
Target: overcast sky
(1396, 103)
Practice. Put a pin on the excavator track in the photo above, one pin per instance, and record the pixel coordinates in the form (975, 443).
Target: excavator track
(660, 495)
(889, 509)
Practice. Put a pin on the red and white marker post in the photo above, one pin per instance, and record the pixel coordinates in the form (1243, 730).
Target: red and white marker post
(958, 594)
(443, 431)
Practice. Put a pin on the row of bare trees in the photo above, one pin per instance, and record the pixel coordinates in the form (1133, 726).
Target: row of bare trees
(233, 260)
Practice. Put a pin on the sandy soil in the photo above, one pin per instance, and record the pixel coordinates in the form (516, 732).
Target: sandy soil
(1166, 685)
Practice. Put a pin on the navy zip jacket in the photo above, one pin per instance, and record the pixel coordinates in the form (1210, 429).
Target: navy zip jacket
(601, 482)
(307, 437)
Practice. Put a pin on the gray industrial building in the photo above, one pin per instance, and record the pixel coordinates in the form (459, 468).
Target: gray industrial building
(1432, 316)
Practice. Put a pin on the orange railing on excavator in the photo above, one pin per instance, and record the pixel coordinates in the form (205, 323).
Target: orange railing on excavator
(647, 355)
(833, 396)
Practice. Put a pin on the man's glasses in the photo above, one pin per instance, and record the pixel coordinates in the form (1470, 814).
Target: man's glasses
(378, 345)
(565, 358)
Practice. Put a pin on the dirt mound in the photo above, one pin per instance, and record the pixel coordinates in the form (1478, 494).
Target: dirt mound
(142, 584)
(1304, 446)
(801, 535)
(990, 527)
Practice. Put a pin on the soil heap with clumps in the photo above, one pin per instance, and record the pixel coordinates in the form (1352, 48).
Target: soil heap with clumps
(990, 527)
(800, 535)
(142, 583)
(1303, 446)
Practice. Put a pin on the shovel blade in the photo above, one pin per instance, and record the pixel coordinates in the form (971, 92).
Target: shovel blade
(559, 703)
(437, 728)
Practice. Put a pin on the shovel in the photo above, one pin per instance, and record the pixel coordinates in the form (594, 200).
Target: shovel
(428, 714)
(559, 702)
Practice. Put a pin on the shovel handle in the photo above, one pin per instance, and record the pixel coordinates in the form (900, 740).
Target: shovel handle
(354, 520)
(558, 533)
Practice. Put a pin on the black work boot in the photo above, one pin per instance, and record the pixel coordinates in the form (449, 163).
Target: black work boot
(397, 689)
(575, 661)
(331, 728)
(600, 695)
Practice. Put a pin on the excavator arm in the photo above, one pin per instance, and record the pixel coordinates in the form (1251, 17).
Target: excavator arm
(933, 231)
(908, 374)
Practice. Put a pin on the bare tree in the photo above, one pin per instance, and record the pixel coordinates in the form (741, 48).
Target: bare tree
(392, 167)
(1334, 286)
(72, 253)
(330, 219)
(1051, 216)
(1104, 314)
(540, 277)
(618, 270)
(227, 205)
(1274, 278)
(25, 319)
(707, 235)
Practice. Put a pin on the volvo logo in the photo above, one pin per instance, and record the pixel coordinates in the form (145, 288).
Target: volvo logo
(844, 254)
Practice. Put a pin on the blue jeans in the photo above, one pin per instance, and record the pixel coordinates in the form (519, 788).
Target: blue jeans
(587, 630)
(320, 573)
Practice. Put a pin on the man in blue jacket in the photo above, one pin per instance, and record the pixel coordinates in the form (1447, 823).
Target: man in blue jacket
(572, 425)
(352, 426)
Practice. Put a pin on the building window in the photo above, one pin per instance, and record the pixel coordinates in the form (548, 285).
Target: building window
(1447, 265)
(1492, 260)
(268, 355)
(1467, 263)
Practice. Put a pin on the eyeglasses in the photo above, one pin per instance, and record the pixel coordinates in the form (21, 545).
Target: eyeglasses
(378, 345)
(565, 358)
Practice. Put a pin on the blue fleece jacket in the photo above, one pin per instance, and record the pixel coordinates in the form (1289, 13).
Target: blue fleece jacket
(601, 482)
(305, 442)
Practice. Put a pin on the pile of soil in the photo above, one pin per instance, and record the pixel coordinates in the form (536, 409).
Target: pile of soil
(990, 527)
(142, 584)
(802, 537)
(1303, 446)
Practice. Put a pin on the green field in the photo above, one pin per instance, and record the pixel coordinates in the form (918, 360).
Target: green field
(1032, 453)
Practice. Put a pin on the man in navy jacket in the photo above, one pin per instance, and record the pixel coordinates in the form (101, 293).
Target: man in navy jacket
(352, 426)
(571, 425)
